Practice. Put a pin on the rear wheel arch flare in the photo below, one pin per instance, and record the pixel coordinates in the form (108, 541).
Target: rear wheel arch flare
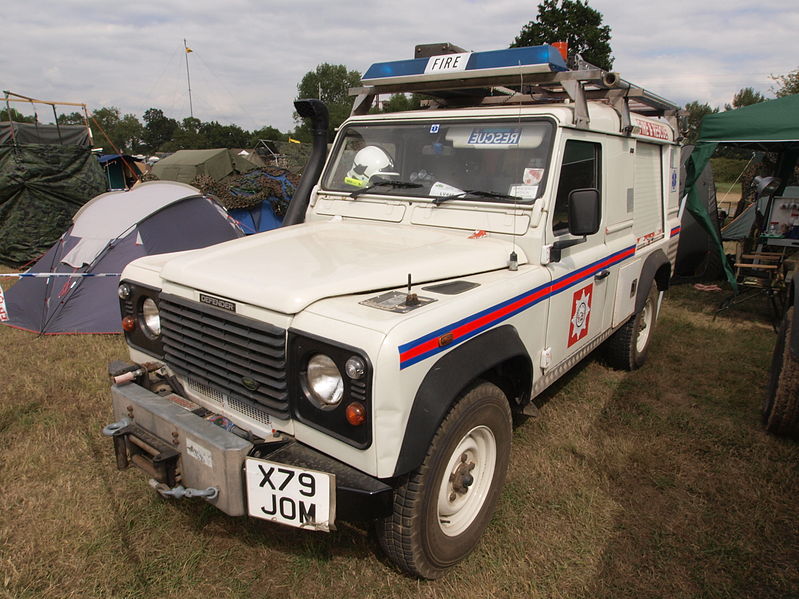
(497, 355)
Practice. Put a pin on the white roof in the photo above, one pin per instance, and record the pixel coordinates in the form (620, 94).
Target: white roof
(112, 214)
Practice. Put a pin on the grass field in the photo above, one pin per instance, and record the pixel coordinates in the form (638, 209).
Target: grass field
(657, 483)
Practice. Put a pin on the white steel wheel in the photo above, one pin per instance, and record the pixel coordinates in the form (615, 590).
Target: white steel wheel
(645, 322)
(442, 508)
(467, 480)
(627, 348)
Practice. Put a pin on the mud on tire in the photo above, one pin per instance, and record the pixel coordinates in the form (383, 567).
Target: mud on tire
(442, 508)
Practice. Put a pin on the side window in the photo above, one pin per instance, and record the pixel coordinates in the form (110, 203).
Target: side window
(581, 169)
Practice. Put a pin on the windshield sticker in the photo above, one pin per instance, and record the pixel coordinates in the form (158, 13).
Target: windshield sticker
(434, 128)
(440, 189)
(532, 176)
(525, 192)
(494, 137)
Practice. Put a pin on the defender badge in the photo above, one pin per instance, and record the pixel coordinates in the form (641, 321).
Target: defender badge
(250, 383)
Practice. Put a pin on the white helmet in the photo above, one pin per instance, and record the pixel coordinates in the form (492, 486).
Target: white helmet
(368, 162)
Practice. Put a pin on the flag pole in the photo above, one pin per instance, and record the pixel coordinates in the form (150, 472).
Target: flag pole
(188, 77)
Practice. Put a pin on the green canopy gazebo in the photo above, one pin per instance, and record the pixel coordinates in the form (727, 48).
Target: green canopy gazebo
(771, 126)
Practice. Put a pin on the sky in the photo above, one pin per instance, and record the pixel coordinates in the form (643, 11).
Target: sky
(249, 55)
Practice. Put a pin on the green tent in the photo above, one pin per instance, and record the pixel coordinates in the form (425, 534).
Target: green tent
(770, 126)
(185, 165)
(47, 172)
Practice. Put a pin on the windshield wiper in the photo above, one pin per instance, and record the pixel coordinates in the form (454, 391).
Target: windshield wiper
(392, 184)
(493, 195)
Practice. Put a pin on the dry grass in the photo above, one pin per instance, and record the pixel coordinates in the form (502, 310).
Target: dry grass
(659, 483)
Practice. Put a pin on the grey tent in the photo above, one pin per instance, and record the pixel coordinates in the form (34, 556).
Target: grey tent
(107, 233)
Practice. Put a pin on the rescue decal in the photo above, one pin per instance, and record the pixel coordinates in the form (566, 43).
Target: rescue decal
(675, 231)
(428, 345)
(581, 313)
(655, 130)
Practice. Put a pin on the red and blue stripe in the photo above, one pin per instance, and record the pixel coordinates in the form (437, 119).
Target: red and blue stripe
(675, 231)
(466, 328)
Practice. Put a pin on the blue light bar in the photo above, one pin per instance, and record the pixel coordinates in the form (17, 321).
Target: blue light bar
(532, 59)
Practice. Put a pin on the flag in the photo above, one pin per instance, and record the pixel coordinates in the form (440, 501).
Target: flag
(188, 50)
(294, 141)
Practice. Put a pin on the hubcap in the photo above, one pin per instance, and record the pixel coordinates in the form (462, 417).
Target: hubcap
(466, 480)
(645, 327)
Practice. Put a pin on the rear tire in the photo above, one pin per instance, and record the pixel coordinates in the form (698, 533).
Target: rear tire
(781, 405)
(627, 348)
(442, 508)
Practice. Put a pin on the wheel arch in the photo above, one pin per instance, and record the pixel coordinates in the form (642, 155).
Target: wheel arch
(656, 268)
(497, 356)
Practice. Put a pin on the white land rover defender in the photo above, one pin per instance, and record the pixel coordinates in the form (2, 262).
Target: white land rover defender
(439, 270)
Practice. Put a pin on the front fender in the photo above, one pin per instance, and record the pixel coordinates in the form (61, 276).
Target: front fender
(448, 378)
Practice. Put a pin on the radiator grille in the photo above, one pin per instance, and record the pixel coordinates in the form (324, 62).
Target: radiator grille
(223, 351)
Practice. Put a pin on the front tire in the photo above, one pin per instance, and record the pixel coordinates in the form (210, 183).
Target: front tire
(627, 348)
(442, 508)
(781, 405)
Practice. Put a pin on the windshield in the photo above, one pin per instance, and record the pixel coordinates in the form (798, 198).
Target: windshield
(489, 160)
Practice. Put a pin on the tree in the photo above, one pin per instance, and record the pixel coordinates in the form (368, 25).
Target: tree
(158, 129)
(692, 120)
(789, 84)
(72, 118)
(329, 83)
(16, 116)
(745, 97)
(402, 102)
(571, 21)
(267, 134)
(112, 131)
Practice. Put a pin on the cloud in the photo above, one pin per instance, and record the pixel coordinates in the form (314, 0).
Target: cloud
(248, 56)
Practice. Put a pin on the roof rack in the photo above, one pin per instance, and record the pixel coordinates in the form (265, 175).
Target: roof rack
(530, 75)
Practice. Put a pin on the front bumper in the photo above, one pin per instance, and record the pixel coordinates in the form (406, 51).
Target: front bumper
(175, 446)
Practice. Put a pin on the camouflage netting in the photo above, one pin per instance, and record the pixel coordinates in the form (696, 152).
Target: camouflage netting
(247, 191)
(41, 187)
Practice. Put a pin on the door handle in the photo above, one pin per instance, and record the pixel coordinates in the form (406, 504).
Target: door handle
(601, 275)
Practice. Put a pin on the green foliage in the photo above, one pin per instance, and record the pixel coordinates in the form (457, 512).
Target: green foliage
(158, 129)
(788, 84)
(267, 134)
(329, 83)
(728, 170)
(16, 116)
(745, 97)
(401, 103)
(571, 21)
(72, 118)
(114, 132)
(692, 120)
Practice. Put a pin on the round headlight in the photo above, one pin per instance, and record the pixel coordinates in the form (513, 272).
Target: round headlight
(322, 381)
(150, 318)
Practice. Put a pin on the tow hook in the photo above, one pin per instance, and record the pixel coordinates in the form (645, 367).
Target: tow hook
(112, 428)
(180, 491)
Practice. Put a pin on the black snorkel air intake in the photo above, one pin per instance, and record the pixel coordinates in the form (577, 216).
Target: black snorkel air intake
(317, 112)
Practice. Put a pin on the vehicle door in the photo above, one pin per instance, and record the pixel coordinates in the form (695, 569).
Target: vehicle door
(579, 278)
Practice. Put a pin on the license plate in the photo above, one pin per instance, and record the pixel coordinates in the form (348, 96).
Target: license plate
(289, 495)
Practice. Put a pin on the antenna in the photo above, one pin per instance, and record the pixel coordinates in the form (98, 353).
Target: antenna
(188, 77)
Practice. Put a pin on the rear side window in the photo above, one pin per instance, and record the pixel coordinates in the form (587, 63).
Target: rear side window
(581, 169)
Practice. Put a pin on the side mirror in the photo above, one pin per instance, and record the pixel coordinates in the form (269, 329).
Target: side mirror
(585, 211)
